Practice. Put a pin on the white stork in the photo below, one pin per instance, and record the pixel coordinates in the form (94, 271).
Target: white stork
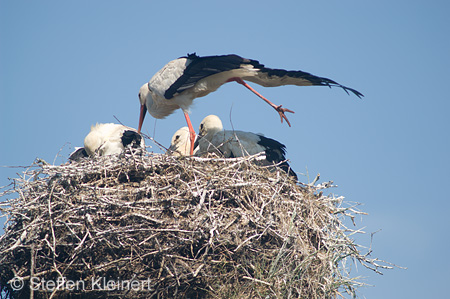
(232, 144)
(108, 139)
(182, 80)
(180, 145)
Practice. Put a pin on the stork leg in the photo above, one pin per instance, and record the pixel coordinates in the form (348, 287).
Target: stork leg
(191, 132)
(279, 108)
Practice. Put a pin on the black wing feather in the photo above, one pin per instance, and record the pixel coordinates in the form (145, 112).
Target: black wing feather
(131, 137)
(275, 153)
(202, 67)
(314, 80)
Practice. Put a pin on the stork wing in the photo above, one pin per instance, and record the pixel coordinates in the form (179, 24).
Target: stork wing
(277, 77)
(275, 150)
(78, 154)
(202, 67)
(132, 137)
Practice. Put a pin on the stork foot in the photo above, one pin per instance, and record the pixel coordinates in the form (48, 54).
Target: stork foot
(281, 112)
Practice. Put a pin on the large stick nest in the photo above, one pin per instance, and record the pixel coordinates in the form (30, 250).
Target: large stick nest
(180, 227)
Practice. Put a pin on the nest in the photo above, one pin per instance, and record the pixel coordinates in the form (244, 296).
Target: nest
(158, 226)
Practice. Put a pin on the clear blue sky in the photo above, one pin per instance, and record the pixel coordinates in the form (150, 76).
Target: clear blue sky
(65, 65)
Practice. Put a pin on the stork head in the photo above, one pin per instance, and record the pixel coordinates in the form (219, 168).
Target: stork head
(144, 97)
(94, 140)
(210, 125)
(180, 144)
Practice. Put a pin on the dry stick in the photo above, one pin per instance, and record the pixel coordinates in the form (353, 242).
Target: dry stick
(256, 280)
(53, 247)
(17, 243)
(51, 219)
(198, 270)
(243, 243)
(32, 265)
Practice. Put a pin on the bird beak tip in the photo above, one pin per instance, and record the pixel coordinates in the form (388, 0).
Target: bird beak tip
(141, 117)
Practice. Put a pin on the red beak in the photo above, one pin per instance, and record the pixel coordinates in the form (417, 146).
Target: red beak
(142, 116)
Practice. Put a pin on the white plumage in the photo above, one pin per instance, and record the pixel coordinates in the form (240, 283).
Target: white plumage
(233, 144)
(108, 139)
(182, 80)
(180, 144)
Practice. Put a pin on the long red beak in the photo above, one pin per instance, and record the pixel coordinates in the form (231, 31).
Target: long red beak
(142, 116)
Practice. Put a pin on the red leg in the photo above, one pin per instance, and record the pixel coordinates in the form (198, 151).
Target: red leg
(279, 108)
(191, 131)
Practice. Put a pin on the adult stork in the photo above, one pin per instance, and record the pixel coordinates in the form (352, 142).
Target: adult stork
(232, 144)
(182, 80)
(108, 139)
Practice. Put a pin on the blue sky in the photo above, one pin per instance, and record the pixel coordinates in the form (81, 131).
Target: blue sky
(65, 65)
